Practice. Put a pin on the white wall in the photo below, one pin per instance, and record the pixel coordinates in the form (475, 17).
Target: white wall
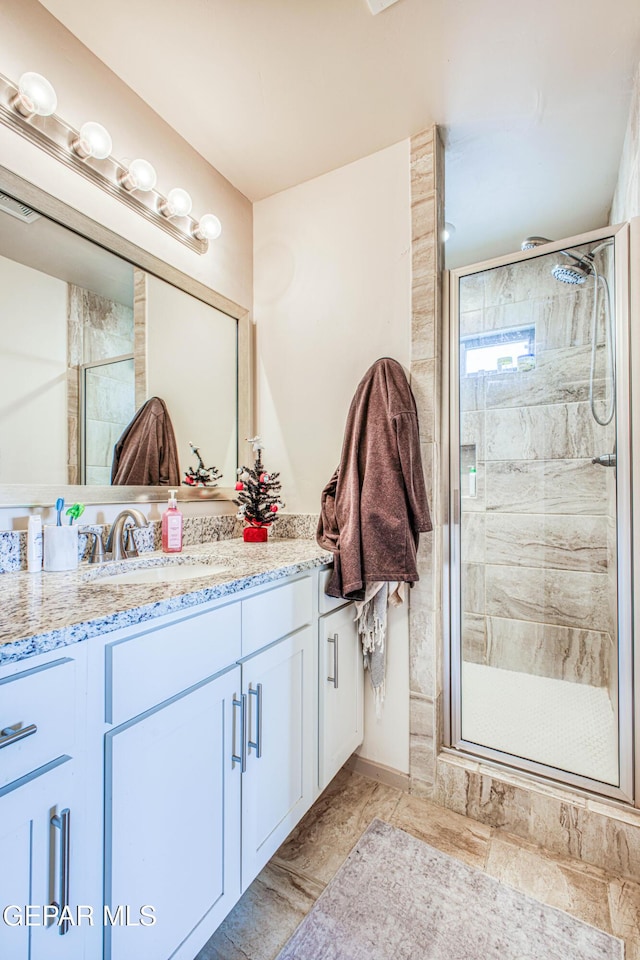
(33, 375)
(32, 39)
(191, 365)
(626, 200)
(332, 294)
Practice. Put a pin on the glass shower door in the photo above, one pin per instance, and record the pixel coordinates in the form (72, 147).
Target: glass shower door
(540, 491)
(107, 405)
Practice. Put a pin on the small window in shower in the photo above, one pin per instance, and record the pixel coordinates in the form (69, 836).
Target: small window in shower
(498, 352)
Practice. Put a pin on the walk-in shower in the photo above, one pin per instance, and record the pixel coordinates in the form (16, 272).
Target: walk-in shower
(540, 656)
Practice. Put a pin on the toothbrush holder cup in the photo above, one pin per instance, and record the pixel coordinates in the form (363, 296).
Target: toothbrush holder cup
(60, 548)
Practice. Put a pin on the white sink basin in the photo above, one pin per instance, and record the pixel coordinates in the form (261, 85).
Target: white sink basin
(169, 573)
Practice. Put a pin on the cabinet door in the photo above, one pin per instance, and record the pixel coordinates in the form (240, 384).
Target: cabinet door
(172, 819)
(39, 859)
(278, 783)
(340, 684)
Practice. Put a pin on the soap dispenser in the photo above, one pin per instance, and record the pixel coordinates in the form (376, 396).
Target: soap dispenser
(172, 526)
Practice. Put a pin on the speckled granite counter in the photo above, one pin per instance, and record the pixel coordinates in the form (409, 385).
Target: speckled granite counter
(44, 611)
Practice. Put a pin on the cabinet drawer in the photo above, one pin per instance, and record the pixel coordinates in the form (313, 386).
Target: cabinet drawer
(325, 603)
(43, 697)
(144, 670)
(274, 614)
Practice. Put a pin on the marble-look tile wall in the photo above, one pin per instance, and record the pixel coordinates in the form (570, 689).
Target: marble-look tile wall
(626, 199)
(425, 604)
(605, 835)
(601, 833)
(97, 329)
(538, 535)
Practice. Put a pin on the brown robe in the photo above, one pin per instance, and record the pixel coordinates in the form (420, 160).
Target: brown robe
(146, 454)
(375, 505)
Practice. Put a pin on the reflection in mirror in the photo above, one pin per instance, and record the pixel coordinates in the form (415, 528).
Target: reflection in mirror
(107, 405)
(87, 338)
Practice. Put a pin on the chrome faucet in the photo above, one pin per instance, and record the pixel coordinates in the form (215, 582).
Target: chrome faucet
(120, 543)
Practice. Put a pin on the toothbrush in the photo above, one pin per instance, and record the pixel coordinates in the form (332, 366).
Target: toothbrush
(59, 508)
(75, 512)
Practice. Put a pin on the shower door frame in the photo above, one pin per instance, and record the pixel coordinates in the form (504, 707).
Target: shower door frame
(452, 619)
(82, 399)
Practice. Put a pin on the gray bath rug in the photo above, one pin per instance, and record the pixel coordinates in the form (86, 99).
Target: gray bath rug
(396, 898)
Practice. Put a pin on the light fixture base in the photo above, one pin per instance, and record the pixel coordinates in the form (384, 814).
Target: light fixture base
(56, 137)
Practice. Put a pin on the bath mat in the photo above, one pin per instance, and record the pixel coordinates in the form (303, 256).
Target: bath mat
(396, 898)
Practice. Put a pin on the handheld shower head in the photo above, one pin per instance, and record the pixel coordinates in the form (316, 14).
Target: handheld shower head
(572, 272)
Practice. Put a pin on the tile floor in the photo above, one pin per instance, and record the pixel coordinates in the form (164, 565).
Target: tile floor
(275, 903)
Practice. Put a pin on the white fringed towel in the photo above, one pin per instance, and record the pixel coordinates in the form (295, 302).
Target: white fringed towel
(371, 615)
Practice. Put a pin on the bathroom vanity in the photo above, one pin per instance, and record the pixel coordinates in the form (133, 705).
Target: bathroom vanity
(160, 750)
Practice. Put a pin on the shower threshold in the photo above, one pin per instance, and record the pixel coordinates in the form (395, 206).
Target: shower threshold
(569, 726)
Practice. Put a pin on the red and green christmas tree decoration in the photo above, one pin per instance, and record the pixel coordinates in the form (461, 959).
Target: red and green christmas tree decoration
(258, 496)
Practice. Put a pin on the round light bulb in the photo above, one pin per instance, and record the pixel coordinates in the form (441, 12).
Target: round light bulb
(94, 141)
(208, 228)
(36, 96)
(177, 204)
(448, 232)
(141, 175)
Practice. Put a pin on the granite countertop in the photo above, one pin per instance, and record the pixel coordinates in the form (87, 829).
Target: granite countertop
(44, 611)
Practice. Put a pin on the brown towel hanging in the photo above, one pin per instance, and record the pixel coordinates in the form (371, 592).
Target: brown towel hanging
(146, 454)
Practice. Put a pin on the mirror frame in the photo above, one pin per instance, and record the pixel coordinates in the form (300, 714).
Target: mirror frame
(44, 495)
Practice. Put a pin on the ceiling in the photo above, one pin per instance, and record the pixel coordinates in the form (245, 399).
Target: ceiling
(533, 96)
(46, 246)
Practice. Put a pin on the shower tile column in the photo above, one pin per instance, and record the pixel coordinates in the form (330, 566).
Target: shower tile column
(425, 612)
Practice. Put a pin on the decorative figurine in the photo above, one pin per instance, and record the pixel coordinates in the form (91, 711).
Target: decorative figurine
(258, 496)
(203, 476)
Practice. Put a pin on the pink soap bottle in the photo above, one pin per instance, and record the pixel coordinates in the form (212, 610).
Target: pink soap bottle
(172, 526)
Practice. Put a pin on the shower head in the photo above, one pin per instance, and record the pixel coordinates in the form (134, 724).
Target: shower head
(572, 272)
(531, 242)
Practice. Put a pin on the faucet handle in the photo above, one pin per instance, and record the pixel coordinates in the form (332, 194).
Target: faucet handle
(97, 553)
(130, 546)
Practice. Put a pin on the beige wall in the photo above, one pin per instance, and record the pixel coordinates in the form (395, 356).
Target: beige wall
(33, 372)
(626, 199)
(31, 39)
(332, 295)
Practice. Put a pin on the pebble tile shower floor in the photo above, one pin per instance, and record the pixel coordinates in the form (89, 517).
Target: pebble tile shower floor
(570, 726)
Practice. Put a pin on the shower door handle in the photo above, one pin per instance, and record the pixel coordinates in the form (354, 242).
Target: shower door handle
(606, 460)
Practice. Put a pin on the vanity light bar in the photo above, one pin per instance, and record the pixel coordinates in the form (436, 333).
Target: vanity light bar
(29, 109)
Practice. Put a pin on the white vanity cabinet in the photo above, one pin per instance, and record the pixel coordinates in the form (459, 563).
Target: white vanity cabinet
(40, 865)
(278, 784)
(172, 819)
(210, 746)
(173, 724)
(42, 838)
(340, 685)
(167, 763)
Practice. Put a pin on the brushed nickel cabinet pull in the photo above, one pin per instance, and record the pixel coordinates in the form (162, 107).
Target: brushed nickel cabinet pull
(334, 678)
(242, 758)
(63, 823)
(12, 734)
(257, 743)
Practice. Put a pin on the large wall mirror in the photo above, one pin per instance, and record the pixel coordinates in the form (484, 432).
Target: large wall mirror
(88, 336)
